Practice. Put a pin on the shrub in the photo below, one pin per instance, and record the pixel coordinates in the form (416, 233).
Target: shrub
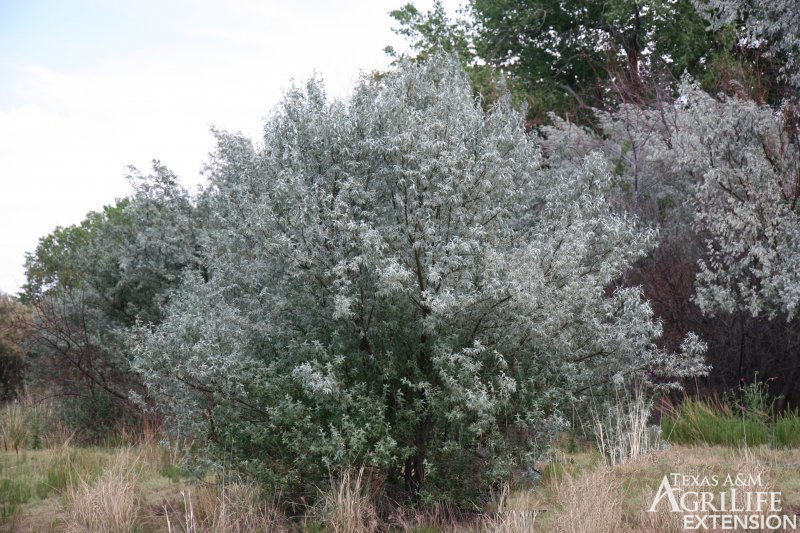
(397, 281)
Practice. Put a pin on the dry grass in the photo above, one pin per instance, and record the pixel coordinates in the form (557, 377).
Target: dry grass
(510, 522)
(347, 505)
(753, 468)
(111, 503)
(14, 428)
(623, 433)
(592, 502)
(775, 470)
(29, 423)
(101, 489)
(235, 507)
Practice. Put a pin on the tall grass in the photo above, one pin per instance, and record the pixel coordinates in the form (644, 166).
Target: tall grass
(786, 430)
(744, 417)
(110, 503)
(514, 512)
(14, 427)
(702, 422)
(623, 433)
(30, 424)
(233, 507)
(347, 507)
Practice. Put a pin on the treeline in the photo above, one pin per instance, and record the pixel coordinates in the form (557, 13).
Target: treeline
(425, 280)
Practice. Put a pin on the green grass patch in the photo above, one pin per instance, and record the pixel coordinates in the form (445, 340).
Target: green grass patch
(12, 494)
(702, 422)
(696, 422)
(786, 430)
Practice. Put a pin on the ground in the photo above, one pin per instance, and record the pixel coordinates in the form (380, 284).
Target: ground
(44, 490)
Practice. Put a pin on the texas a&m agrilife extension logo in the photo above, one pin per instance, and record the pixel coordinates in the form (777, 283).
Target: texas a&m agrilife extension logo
(722, 502)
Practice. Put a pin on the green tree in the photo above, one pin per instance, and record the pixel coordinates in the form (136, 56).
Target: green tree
(570, 56)
(90, 282)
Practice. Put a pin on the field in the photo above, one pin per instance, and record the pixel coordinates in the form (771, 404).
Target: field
(608, 482)
(141, 488)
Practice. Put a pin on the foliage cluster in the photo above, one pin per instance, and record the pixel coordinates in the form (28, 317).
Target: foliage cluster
(14, 329)
(90, 283)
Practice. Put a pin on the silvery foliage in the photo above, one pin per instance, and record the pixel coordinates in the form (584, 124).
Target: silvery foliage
(637, 140)
(771, 24)
(396, 280)
(746, 202)
(726, 165)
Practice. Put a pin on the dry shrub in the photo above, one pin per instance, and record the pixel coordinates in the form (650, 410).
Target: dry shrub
(111, 503)
(234, 507)
(347, 505)
(591, 503)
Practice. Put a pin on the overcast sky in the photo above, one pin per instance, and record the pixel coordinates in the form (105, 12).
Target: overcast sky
(89, 87)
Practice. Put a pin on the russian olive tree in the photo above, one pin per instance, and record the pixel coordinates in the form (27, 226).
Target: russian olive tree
(393, 280)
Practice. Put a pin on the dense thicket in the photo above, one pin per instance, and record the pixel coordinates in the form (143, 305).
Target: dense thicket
(711, 159)
(14, 329)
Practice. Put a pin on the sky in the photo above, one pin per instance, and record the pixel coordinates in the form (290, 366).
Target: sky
(89, 87)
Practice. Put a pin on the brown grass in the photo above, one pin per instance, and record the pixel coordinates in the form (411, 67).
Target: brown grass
(347, 506)
(234, 507)
(108, 490)
(592, 502)
(111, 503)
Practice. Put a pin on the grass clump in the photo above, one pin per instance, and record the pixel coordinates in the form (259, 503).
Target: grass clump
(347, 505)
(698, 422)
(623, 432)
(26, 424)
(109, 503)
(237, 507)
(12, 494)
(786, 430)
(745, 417)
